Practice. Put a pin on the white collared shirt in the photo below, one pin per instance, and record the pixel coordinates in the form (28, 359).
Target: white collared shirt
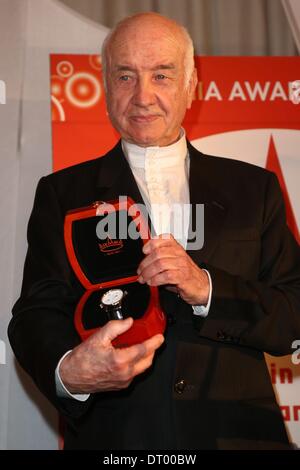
(161, 174)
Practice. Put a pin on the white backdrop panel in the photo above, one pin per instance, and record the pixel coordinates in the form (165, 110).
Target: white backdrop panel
(34, 29)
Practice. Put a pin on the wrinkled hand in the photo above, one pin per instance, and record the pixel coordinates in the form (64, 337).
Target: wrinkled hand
(96, 365)
(167, 263)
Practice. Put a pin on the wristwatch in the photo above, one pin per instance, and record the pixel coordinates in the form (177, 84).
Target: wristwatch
(111, 302)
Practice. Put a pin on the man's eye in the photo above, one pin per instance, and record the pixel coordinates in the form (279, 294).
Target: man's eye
(160, 76)
(124, 78)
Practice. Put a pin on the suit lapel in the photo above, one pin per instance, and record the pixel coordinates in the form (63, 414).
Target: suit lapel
(115, 177)
(215, 205)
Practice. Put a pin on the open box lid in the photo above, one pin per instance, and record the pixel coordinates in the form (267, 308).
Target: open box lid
(104, 242)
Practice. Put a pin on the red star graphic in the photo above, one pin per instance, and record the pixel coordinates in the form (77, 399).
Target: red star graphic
(273, 164)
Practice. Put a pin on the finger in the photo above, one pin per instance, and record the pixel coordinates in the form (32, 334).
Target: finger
(171, 277)
(163, 266)
(143, 365)
(157, 254)
(129, 370)
(155, 266)
(164, 236)
(165, 239)
(128, 362)
(114, 328)
(139, 351)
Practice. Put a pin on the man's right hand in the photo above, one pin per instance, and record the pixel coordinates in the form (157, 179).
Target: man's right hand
(97, 366)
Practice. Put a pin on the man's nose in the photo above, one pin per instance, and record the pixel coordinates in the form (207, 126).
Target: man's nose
(144, 93)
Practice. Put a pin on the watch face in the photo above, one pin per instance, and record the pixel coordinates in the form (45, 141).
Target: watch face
(112, 297)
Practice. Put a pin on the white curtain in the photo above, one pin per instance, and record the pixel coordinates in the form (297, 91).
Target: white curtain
(218, 27)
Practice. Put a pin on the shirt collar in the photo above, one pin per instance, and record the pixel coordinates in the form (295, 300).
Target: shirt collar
(165, 157)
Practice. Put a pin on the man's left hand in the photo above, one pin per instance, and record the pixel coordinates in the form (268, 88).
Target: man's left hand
(167, 263)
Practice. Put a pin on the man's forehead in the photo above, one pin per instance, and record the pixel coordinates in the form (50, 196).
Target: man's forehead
(150, 37)
(164, 51)
(129, 65)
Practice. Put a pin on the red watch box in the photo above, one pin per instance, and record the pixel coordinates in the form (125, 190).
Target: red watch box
(103, 260)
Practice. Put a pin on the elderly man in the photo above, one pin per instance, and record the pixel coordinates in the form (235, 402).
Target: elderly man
(205, 385)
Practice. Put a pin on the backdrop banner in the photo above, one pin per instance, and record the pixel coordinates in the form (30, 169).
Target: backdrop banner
(246, 108)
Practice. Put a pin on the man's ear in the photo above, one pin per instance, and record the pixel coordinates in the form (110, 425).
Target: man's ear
(191, 88)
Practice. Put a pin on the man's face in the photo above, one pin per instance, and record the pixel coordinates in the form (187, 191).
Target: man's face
(147, 95)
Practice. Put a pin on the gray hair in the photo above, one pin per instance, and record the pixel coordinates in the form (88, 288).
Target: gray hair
(189, 63)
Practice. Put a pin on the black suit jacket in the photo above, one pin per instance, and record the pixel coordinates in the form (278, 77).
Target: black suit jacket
(209, 387)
